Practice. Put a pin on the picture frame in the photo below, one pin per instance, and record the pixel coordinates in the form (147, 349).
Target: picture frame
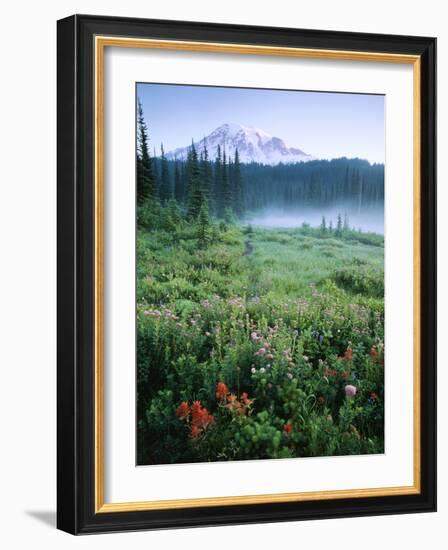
(82, 43)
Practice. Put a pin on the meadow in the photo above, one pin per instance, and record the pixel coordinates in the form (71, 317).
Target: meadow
(256, 343)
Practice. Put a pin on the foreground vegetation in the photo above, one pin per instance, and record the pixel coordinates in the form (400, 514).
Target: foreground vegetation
(256, 343)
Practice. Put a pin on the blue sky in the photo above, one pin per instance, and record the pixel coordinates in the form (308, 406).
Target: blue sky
(326, 125)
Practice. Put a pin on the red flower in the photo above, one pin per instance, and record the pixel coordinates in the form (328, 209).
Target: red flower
(221, 391)
(321, 400)
(183, 410)
(287, 428)
(200, 417)
(374, 354)
(348, 354)
(373, 396)
(195, 432)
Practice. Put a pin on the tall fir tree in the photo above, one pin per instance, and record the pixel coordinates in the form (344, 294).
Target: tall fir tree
(339, 226)
(203, 226)
(323, 225)
(226, 188)
(237, 186)
(206, 176)
(146, 188)
(166, 191)
(217, 184)
(194, 189)
(177, 182)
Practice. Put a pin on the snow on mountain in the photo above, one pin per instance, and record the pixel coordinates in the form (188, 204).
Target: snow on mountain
(254, 145)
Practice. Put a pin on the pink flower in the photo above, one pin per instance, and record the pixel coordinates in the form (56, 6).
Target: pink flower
(261, 351)
(350, 390)
(207, 333)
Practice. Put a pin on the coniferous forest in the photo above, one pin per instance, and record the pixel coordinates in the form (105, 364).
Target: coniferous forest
(256, 342)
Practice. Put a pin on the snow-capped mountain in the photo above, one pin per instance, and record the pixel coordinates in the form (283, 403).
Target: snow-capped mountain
(254, 145)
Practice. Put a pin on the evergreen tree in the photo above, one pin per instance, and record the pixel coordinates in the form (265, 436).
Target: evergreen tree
(177, 182)
(145, 177)
(339, 226)
(323, 225)
(237, 186)
(194, 189)
(330, 227)
(206, 176)
(203, 227)
(217, 184)
(346, 223)
(165, 183)
(226, 188)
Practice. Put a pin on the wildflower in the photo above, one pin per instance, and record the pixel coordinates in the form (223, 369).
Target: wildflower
(287, 428)
(262, 370)
(289, 375)
(183, 410)
(269, 356)
(373, 396)
(253, 370)
(261, 351)
(207, 333)
(321, 400)
(234, 405)
(221, 390)
(350, 390)
(200, 417)
(254, 336)
(373, 353)
(348, 354)
(245, 398)
(246, 402)
(195, 432)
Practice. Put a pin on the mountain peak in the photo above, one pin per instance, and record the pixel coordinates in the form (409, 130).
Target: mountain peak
(253, 144)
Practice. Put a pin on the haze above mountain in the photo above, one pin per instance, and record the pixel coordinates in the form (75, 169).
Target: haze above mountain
(253, 144)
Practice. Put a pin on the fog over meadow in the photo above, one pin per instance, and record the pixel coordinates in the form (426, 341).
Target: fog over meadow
(368, 217)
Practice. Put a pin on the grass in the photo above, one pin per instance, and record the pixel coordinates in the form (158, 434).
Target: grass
(288, 263)
(259, 343)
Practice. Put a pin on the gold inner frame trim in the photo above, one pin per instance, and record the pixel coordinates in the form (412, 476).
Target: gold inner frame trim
(101, 42)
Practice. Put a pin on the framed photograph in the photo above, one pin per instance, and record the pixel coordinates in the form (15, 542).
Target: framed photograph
(246, 274)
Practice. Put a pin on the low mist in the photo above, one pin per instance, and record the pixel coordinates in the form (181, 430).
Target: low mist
(366, 218)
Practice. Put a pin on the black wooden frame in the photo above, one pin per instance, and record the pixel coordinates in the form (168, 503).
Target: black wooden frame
(75, 409)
